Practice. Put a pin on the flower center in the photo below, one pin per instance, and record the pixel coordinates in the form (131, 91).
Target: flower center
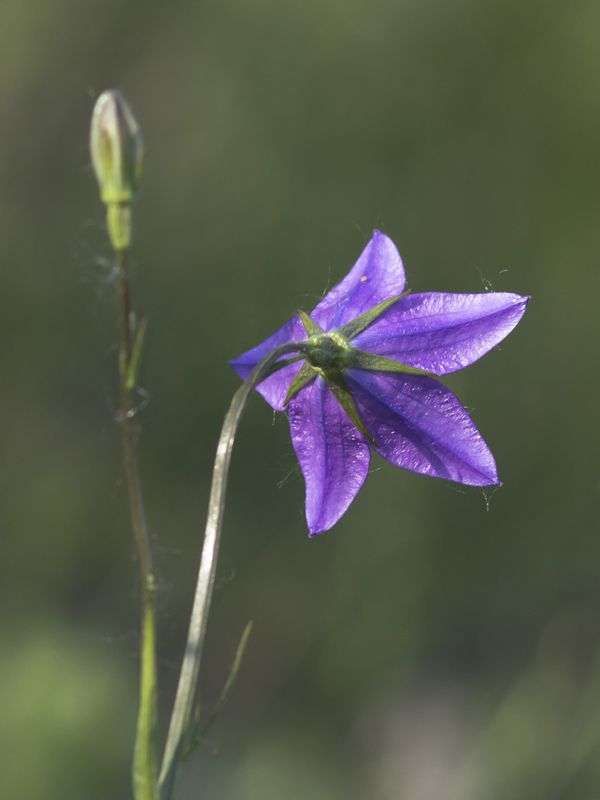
(328, 350)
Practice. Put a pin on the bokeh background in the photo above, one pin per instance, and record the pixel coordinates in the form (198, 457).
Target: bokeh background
(438, 642)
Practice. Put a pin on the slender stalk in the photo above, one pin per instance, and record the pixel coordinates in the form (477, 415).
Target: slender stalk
(206, 575)
(144, 770)
(138, 518)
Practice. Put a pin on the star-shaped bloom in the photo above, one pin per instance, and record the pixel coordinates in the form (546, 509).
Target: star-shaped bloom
(365, 381)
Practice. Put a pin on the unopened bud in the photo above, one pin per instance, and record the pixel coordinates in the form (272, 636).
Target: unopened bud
(117, 151)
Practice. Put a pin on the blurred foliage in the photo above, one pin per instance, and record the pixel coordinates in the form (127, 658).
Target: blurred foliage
(436, 643)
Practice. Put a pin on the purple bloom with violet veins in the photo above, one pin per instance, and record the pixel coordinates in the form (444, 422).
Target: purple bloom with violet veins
(366, 381)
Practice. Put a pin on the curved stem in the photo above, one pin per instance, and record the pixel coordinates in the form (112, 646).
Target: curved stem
(144, 771)
(206, 575)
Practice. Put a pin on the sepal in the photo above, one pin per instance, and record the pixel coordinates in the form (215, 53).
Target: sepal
(306, 374)
(339, 388)
(310, 326)
(358, 325)
(359, 359)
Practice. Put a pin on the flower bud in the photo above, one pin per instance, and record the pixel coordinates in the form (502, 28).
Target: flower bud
(117, 151)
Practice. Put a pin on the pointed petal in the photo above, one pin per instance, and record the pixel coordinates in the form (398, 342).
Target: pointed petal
(377, 275)
(441, 332)
(275, 387)
(420, 425)
(333, 454)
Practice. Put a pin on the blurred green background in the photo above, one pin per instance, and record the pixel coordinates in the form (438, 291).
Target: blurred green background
(435, 643)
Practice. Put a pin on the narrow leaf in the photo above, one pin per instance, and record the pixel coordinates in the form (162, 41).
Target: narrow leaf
(230, 680)
(197, 735)
(134, 364)
(194, 735)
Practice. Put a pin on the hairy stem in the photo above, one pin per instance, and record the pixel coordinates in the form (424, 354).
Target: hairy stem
(206, 575)
(144, 770)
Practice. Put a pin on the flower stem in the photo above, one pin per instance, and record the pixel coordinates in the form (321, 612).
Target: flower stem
(188, 677)
(144, 768)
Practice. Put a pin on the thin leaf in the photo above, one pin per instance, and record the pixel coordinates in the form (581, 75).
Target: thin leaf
(122, 364)
(134, 364)
(197, 736)
(230, 680)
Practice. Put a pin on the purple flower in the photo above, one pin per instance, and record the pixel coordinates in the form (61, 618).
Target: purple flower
(366, 381)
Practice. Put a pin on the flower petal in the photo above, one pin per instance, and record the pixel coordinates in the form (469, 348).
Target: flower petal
(377, 275)
(274, 388)
(333, 455)
(441, 332)
(420, 425)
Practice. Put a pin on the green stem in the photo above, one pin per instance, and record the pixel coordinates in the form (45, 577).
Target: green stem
(188, 677)
(144, 768)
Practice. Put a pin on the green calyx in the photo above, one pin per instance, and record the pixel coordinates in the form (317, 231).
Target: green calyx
(328, 354)
(324, 349)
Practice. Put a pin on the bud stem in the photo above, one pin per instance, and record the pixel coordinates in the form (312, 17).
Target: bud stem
(144, 759)
(119, 222)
